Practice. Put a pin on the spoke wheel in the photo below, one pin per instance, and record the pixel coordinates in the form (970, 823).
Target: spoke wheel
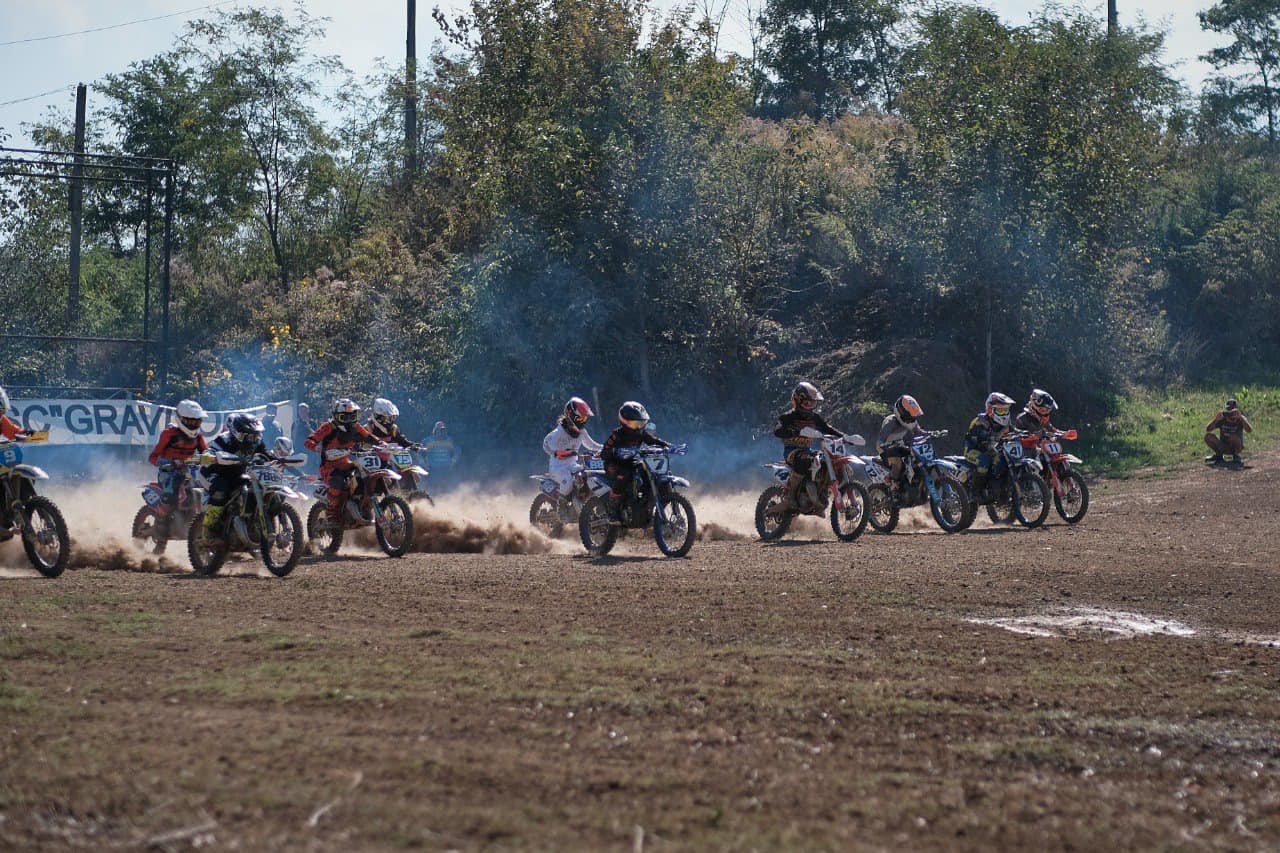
(544, 517)
(952, 511)
(282, 540)
(675, 535)
(45, 536)
(206, 559)
(1030, 498)
(395, 533)
(849, 521)
(146, 531)
(1073, 503)
(1000, 511)
(772, 521)
(323, 533)
(597, 534)
(881, 510)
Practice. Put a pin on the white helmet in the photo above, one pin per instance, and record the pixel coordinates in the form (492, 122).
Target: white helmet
(4, 402)
(385, 411)
(190, 416)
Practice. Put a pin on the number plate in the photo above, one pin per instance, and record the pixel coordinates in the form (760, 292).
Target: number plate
(1053, 448)
(152, 497)
(659, 464)
(548, 487)
(10, 456)
(595, 464)
(402, 458)
(924, 450)
(1014, 449)
(266, 475)
(370, 461)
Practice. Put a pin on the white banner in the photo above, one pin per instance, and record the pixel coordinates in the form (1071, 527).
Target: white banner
(133, 422)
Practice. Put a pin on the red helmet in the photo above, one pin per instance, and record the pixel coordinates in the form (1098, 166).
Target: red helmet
(576, 411)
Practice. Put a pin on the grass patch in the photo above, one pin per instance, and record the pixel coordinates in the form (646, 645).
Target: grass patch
(1165, 428)
(17, 700)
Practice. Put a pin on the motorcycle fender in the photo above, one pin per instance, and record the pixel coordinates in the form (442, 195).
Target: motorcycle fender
(678, 481)
(415, 471)
(1072, 459)
(384, 474)
(31, 472)
(284, 492)
(947, 467)
(1034, 465)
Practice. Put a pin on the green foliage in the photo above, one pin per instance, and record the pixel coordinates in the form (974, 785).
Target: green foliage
(1255, 29)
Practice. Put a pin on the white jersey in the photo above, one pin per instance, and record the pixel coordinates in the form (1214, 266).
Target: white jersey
(560, 443)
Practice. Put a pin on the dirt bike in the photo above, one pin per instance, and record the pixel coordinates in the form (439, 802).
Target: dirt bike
(1019, 492)
(653, 501)
(1070, 492)
(412, 485)
(551, 511)
(831, 481)
(371, 501)
(156, 524)
(925, 479)
(257, 517)
(33, 517)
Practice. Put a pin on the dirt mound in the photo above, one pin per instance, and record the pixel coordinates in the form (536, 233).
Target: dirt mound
(115, 557)
(713, 532)
(438, 531)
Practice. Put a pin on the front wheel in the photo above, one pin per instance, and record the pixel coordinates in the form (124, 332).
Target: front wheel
(544, 517)
(147, 530)
(282, 540)
(1000, 510)
(322, 531)
(1073, 503)
(206, 557)
(882, 512)
(1030, 498)
(952, 510)
(848, 521)
(675, 533)
(395, 530)
(772, 520)
(597, 534)
(44, 536)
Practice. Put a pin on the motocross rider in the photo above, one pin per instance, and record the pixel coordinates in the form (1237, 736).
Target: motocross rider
(980, 441)
(896, 434)
(178, 443)
(1034, 418)
(341, 432)
(563, 444)
(632, 420)
(795, 447)
(242, 437)
(382, 424)
(8, 428)
(1231, 425)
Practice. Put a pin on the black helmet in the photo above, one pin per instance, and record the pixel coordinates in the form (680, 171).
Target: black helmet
(1042, 403)
(806, 396)
(244, 428)
(633, 415)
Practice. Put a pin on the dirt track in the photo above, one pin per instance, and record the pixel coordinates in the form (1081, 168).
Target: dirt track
(804, 695)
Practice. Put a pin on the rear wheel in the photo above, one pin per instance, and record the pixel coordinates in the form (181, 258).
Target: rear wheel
(395, 533)
(882, 512)
(1073, 503)
(322, 532)
(1030, 498)
(282, 540)
(205, 557)
(597, 534)
(951, 511)
(544, 516)
(849, 521)
(675, 533)
(148, 530)
(772, 521)
(45, 536)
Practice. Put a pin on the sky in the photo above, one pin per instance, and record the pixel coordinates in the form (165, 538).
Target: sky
(362, 31)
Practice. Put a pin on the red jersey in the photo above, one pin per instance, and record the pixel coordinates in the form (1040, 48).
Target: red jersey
(9, 429)
(174, 444)
(329, 437)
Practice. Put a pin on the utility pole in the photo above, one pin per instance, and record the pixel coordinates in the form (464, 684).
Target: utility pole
(77, 210)
(411, 95)
(1113, 18)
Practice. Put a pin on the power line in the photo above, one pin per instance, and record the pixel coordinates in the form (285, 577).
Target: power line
(61, 88)
(115, 26)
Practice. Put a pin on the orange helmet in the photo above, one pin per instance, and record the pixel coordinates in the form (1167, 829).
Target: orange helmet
(907, 409)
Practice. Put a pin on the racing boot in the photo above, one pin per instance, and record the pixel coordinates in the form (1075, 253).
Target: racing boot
(212, 519)
(1214, 459)
(795, 482)
(615, 510)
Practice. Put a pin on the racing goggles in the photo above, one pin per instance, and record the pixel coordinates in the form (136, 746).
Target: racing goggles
(636, 424)
(1000, 411)
(346, 418)
(191, 423)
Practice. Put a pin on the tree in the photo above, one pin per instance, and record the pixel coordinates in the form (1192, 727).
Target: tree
(828, 56)
(1255, 27)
